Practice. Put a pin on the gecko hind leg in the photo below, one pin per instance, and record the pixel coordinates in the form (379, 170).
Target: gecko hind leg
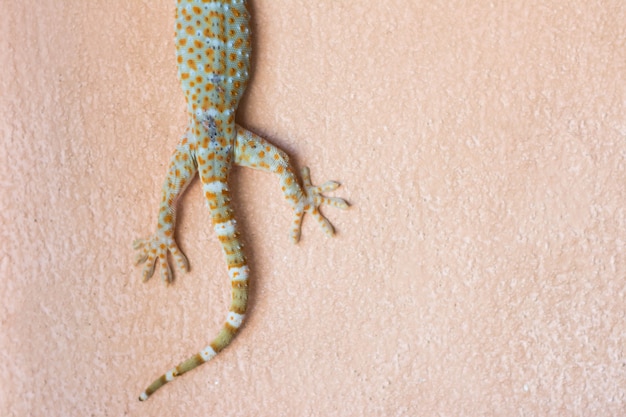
(156, 248)
(253, 151)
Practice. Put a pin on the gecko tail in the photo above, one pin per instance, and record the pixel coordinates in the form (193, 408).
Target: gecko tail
(236, 314)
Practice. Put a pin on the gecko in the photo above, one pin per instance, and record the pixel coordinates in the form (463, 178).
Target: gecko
(213, 54)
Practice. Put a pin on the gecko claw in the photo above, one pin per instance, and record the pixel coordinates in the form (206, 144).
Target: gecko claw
(311, 203)
(155, 250)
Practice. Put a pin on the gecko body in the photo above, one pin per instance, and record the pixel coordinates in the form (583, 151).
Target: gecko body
(213, 55)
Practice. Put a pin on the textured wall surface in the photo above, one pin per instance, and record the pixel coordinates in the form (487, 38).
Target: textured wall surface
(480, 271)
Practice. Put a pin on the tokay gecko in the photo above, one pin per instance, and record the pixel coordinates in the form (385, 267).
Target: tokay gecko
(213, 55)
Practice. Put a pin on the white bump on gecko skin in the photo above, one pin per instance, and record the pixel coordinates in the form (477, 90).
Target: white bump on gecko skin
(225, 229)
(214, 5)
(216, 43)
(215, 187)
(210, 112)
(169, 375)
(235, 319)
(207, 353)
(239, 273)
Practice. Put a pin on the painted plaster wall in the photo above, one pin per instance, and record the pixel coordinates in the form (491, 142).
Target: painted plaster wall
(480, 271)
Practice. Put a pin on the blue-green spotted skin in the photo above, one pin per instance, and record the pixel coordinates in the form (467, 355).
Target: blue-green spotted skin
(213, 56)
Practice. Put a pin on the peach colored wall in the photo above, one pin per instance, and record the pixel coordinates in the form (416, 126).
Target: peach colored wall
(480, 271)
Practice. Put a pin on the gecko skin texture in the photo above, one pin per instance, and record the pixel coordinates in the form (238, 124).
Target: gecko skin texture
(213, 55)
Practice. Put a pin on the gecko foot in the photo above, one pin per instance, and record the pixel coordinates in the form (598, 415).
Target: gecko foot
(313, 199)
(157, 248)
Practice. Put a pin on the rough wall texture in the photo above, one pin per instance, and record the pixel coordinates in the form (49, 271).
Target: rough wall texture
(480, 271)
